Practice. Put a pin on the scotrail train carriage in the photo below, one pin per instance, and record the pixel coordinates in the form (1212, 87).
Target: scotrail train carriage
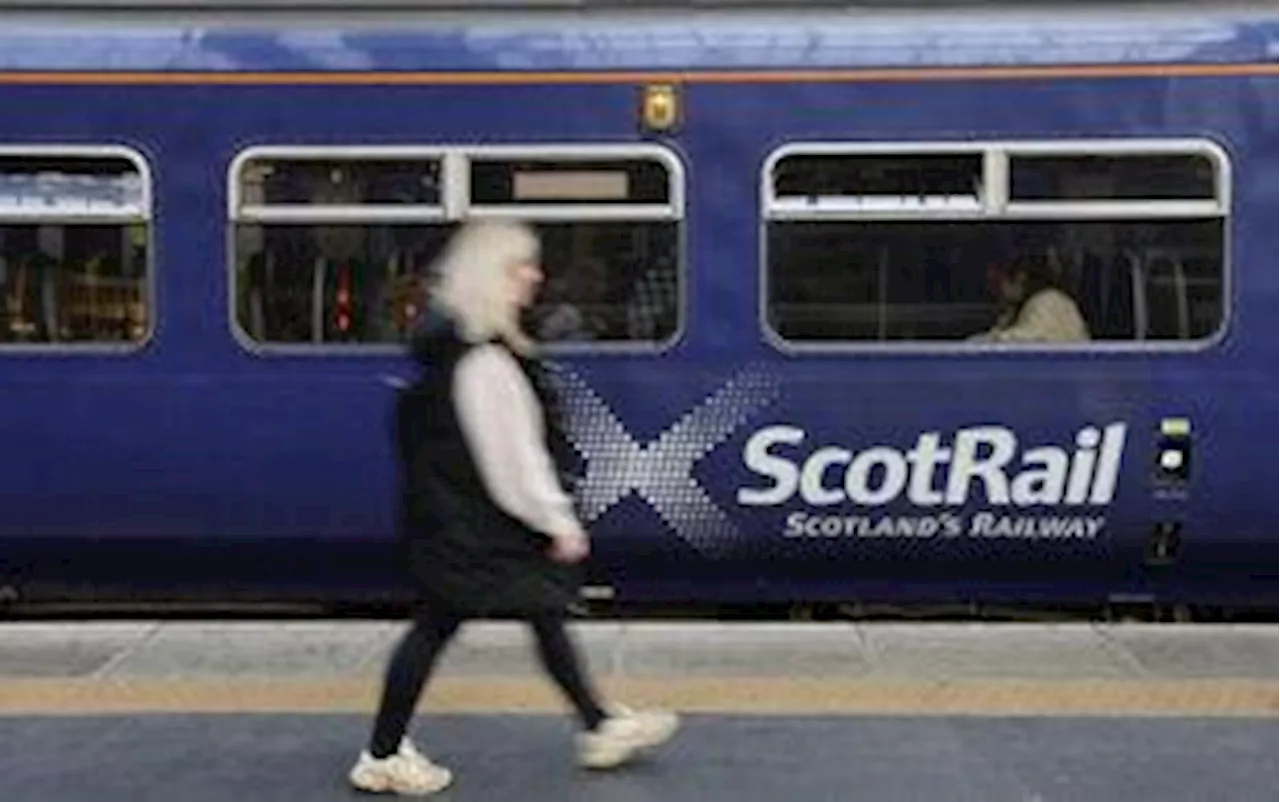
(768, 235)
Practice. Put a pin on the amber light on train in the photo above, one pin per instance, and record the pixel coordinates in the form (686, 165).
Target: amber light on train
(660, 107)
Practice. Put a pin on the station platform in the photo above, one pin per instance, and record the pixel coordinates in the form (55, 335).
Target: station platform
(796, 712)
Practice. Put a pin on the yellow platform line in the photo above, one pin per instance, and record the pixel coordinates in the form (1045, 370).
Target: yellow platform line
(1216, 697)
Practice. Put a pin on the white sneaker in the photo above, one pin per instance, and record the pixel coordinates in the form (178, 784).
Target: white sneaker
(623, 735)
(407, 772)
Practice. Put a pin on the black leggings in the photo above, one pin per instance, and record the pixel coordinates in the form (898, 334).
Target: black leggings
(416, 656)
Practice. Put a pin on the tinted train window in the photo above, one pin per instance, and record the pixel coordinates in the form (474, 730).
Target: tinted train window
(74, 247)
(903, 247)
(333, 246)
(611, 237)
(330, 248)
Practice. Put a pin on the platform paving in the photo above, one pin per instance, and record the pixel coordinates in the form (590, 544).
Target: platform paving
(282, 758)
(264, 711)
(935, 652)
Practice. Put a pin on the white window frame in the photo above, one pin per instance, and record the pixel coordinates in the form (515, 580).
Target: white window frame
(141, 213)
(455, 204)
(994, 204)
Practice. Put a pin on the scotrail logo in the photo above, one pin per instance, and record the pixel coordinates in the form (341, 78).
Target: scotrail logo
(937, 477)
(981, 456)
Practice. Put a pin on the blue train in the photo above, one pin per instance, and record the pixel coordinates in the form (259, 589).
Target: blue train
(770, 237)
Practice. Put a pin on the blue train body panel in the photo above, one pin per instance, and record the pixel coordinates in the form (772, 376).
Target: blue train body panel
(197, 462)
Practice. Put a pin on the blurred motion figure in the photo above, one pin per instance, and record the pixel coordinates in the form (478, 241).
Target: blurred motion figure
(486, 527)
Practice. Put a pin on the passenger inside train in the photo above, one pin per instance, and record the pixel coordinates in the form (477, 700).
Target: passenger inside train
(578, 306)
(1033, 305)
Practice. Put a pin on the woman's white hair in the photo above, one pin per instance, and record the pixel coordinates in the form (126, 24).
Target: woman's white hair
(472, 279)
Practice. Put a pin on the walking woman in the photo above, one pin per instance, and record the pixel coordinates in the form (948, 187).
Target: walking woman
(488, 530)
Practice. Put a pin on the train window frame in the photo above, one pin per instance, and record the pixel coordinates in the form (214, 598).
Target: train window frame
(994, 205)
(143, 215)
(454, 205)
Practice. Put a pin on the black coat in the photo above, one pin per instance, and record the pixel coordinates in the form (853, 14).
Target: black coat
(461, 549)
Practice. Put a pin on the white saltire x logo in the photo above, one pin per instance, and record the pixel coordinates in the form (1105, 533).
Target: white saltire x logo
(660, 472)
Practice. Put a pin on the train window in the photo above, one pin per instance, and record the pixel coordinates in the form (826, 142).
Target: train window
(74, 248)
(307, 182)
(879, 180)
(611, 228)
(579, 182)
(1111, 177)
(1131, 235)
(332, 245)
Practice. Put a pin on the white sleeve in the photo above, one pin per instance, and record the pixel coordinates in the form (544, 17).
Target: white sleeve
(502, 424)
(1046, 317)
